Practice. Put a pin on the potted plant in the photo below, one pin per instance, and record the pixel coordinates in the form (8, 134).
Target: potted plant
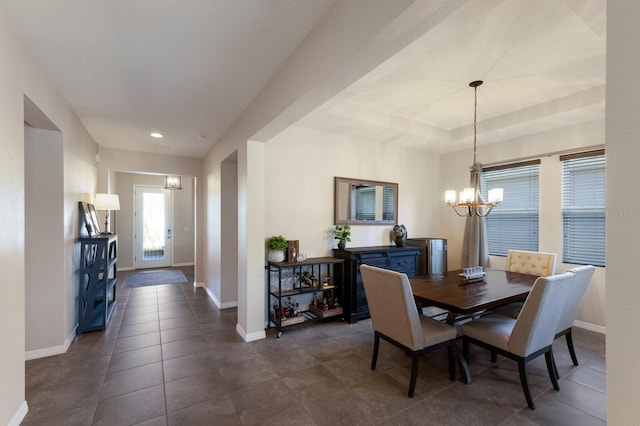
(276, 245)
(342, 233)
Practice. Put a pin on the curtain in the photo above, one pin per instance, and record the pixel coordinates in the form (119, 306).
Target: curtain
(475, 250)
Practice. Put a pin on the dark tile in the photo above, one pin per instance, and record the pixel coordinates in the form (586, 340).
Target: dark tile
(131, 380)
(185, 366)
(80, 416)
(184, 347)
(131, 408)
(583, 398)
(181, 333)
(66, 395)
(135, 358)
(192, 390)
(167, 324)
(137, 342)
(589, 377)
(215, 411)
(552, 412)
(137, 329)
(137, 319)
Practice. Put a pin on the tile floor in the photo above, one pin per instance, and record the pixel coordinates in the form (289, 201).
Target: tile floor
(170, 357)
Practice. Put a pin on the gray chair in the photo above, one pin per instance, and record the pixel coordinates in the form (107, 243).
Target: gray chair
(526, 262)
(528, 336)
(395, 318)
(570, 312)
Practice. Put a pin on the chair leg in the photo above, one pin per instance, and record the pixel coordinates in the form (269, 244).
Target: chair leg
(525, 383)
(414, 373)
(551, 368)
(376, 347)
(572, 350)
(452, 360)
(494, 356)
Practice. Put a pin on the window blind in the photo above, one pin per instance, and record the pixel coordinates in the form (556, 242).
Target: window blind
(388, 203)
(513, 224)
(366, 203)
(583, 209)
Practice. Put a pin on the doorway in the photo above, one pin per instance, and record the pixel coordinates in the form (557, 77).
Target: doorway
(153, 227)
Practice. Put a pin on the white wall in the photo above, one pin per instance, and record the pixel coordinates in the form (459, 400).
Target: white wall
(455, 175)
(20, 76)
(44, 242)
(623, 207)
(300, 168)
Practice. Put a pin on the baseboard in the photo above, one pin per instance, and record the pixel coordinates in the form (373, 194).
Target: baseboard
(177, 265)
(215, 300)
(258, 335)
(199, 284)
(53, 350)
(19, 416)
(591, 327)
(126, 268)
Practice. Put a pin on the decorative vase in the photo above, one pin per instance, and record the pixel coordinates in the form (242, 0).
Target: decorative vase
(341, 245)
(400, 235)
(275, 256)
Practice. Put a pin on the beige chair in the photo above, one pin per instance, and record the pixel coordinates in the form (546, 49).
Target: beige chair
(526, 262)
(528, 336)
(570, 312)
(395, 318)
(531, 262)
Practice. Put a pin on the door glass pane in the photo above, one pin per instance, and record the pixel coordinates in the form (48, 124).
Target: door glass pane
(153, 226)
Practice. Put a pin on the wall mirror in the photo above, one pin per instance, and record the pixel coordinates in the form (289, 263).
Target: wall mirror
(365, 202)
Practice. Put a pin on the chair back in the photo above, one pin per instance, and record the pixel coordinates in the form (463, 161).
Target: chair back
(531, 262)
(392, 307)
(536, 325)
(580, 285)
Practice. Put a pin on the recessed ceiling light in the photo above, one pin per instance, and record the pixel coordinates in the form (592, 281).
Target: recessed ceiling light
(200, 136)
(156, 135)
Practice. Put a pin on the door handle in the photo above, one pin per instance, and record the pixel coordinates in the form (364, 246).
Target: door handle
(169, 233)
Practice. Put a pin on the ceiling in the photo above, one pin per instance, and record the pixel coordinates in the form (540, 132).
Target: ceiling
(189, 69)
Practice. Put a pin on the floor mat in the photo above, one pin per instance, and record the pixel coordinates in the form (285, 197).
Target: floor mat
(157, 277)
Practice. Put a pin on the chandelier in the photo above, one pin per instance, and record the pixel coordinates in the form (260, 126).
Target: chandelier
(470, 201)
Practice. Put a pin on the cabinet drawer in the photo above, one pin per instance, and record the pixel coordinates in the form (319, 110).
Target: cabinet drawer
(405, 264)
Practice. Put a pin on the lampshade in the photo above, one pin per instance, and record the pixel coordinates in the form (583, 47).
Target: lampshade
(106, 202)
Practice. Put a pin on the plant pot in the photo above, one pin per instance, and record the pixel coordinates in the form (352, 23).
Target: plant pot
(341, 245)
(275, 256)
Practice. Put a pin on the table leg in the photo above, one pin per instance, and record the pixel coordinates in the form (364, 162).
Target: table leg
(465, 373)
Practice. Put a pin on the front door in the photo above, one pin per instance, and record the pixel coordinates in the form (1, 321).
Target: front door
(153, 227)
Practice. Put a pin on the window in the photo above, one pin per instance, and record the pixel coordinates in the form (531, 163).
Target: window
(513, 224)
(583, 214)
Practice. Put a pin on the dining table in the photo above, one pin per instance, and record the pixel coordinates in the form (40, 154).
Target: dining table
(463, 298)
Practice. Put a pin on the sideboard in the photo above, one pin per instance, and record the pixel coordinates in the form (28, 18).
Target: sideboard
(400, 259)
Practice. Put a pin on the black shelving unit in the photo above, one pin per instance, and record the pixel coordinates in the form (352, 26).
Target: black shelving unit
(286, 280)
(98, 281)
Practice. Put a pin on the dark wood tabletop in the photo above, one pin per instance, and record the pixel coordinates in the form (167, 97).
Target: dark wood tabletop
(450, 292)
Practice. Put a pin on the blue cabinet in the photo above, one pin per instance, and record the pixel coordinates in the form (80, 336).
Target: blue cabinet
(98, 281)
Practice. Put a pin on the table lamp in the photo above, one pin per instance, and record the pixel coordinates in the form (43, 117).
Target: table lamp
(106, 202)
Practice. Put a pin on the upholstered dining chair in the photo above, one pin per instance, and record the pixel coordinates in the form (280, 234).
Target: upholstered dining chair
(395, 318)
(570, 312)
(528, 336)
(526, 262)
(531, 262)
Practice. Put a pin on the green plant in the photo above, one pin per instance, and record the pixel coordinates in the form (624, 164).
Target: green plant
(276, 243)
(342, 233)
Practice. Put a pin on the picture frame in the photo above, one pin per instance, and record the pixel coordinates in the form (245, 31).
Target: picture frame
(94, 220)
(86, 217)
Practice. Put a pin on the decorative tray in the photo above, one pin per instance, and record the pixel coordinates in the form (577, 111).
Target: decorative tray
(473, 274)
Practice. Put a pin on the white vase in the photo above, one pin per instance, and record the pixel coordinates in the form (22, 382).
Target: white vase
(275, 256)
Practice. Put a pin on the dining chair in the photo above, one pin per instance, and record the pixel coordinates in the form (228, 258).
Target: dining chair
(395, 318)
(529, 335)
(536, 263)
(570, 312)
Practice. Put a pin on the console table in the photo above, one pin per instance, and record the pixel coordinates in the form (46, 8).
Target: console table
(399, 259)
